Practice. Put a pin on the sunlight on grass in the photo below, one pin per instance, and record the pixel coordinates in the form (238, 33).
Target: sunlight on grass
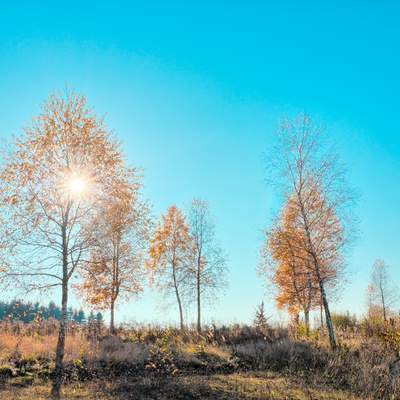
(262, 386)
(41, 392)
(272, 387)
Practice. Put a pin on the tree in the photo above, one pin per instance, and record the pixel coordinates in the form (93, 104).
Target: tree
(208, 264)
(382, 293)
(80, 317)
(313, 186)
(54, 311)
(91, 317)
(291, 270)
(260, 320)
(99, 318)
(52, 181)
(170, 254)
(115, 268)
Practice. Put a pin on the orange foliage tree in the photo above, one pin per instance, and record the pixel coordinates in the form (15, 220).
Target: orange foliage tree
(292, 273)
(115, 268)
(319, 223)
(170, 255)
(52, 181)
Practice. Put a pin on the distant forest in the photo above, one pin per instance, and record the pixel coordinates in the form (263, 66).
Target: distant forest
(17, 310)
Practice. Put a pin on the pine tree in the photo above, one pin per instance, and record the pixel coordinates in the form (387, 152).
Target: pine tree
(260, 320)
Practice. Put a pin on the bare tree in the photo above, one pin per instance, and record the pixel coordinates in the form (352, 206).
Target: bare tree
(312, 181)
(52, 181)
(381, 292)
(208, 265)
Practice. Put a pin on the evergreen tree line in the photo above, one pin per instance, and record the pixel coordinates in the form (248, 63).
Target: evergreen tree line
(18, 310)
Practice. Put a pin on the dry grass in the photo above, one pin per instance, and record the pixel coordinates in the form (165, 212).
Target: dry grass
(226, 363)
(270, 386)
(192, 349)
(39, 346)
(41, 391)
(261, 386)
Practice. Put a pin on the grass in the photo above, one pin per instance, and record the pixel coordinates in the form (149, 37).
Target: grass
(40, 391)
(236, 362)
(246, 386)
(42, 346)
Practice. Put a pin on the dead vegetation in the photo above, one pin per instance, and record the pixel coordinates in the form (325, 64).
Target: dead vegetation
(225, 362)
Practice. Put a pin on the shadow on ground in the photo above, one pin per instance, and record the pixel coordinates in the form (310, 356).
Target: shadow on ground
(218, 387)
(178, 388)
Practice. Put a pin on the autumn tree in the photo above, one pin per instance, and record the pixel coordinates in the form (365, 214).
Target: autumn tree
(115, 268)
(52, 181)
(312, 183)
(208, 265)
(297, 291)
(292, 270)
(382, 292)
(170, 254)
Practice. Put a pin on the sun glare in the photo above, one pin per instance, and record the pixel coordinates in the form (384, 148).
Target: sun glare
(77, 186)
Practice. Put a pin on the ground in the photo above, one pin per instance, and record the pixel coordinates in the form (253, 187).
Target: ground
(249, 386)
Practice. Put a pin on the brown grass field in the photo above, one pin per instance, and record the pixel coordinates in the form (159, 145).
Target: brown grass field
(255, 386)
(236, 362)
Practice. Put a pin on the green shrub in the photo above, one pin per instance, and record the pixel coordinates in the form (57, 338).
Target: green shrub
(344, 321)
(6, 371)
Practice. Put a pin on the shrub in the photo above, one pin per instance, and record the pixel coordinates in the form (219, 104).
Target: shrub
(6, 371)
(161, 359)
(373, 326)
(282, 355)
(113, 348)
(344, 321)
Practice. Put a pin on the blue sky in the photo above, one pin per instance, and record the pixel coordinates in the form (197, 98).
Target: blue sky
(195, 92)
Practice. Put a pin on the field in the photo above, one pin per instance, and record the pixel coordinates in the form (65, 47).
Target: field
(256, 386)
(236, 362)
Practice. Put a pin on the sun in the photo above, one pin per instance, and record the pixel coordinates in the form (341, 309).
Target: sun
(77, 186)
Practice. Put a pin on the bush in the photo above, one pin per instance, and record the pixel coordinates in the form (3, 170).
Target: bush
(113, 348)
(281, 356)
(373, 326)
(161, 359)
(344, 321)
(373, 370)
(6, 371)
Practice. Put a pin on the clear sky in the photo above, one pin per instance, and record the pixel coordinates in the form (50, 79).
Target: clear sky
(195, 92)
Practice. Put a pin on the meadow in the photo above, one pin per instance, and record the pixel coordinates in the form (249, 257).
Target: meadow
(227, 362)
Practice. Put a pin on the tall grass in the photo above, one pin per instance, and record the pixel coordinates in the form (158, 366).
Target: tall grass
(366, 363)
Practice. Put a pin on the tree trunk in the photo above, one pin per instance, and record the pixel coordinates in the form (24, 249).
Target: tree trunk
(115, 285)
(328, 319)
(383, 302)
(58, 369)
(198, 302)
(321, 315)
(384, 313)
(178, 298)
(112, 326)
(180, 308)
